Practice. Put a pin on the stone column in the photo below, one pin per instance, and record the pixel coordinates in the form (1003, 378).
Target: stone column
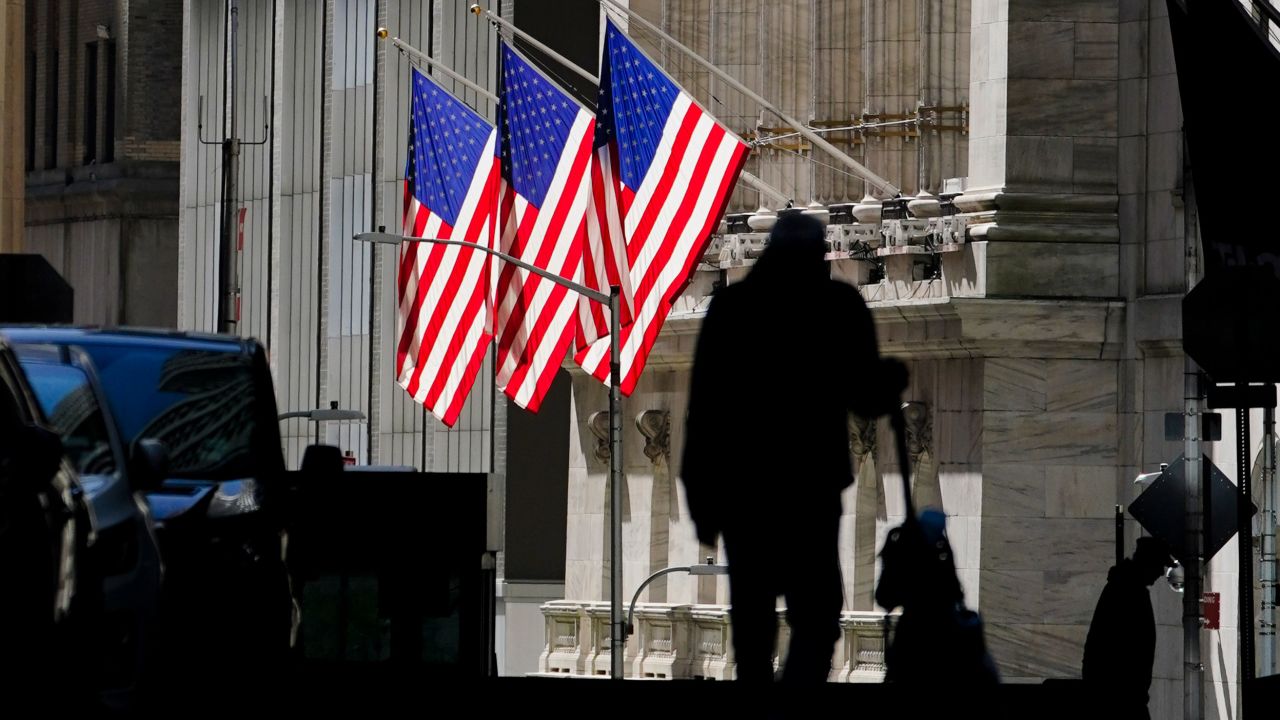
(862, 506)
(655, 426)
(1042, 207)
(1043, 150)
(655, 527)
(587, 524)
(13, 138)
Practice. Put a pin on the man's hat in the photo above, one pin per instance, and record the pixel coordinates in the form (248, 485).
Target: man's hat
(1156, 549)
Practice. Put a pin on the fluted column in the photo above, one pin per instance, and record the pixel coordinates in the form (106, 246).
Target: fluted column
(655, 427)
(1043, 151)
(863, 503)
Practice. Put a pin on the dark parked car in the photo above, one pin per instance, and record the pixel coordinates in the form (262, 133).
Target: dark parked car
(209, 399)
(124, 562)
(45, 528)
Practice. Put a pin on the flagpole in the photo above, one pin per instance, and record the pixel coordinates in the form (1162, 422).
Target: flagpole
(617, 622)
(383, 33)
(412, 51)
(616, 619)
(813, 137)
(496, 21)
(387, 238)
(765, 188)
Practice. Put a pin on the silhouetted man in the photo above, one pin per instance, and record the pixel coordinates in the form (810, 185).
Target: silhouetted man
(782, 359)
(1121, 645)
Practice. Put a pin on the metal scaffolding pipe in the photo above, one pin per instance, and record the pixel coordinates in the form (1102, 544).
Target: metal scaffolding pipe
(498, 21)
(414, 52)
(818, 141)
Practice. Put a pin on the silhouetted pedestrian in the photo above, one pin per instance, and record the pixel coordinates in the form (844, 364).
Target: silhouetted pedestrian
(937, 639)
(1121, 646)
(782, 358)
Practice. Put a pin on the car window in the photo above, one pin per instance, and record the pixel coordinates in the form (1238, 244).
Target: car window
(72, 409)
(201, 404)
(11, 415)
(14, 414)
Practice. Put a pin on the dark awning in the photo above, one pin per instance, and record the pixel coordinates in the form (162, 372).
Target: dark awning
(1226, 69)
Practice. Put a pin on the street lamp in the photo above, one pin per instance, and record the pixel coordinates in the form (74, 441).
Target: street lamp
(708, 568)
(333, 412)
(1174, 575)
(1145, 479)
(617, 627)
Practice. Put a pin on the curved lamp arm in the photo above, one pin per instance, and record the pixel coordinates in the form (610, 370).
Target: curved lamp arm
(708, 568)
(333, 412)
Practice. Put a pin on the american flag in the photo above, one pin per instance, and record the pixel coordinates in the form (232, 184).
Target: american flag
(663, 174)
(443, 319)
(545, 152)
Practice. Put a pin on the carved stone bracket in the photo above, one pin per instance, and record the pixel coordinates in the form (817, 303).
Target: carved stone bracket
(919, 429)
(862, 436)
(655, 426)
(599, 425)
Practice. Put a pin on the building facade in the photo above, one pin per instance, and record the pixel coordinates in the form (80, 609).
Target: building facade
(329, 104)
(1041, 323)
(1032, 282)
(320, 112)
(101, 147)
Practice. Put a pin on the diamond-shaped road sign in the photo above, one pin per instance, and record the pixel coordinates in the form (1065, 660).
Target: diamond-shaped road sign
(1162, 510)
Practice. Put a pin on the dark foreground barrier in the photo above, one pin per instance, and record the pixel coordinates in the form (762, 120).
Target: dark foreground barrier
(388, 569)
(359, 692)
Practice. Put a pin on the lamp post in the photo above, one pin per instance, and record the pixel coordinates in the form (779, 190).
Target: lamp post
(708, 568)
(617, 634)
(333, 412)
(1176, 575)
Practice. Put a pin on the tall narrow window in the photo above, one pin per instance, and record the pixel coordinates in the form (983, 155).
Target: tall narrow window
(31, 111)
(51, 112)
(90, 102)
(109, 100)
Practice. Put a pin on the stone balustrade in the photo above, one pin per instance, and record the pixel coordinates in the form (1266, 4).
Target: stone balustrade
(673, 641)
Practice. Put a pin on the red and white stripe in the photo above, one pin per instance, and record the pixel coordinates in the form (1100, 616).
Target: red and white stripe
(606, 250)
(667, 224)
(534, 316)
(442, 321)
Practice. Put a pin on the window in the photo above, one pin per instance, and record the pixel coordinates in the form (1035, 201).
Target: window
(72, 409)
(51, 112)
(12, 415)
(201, 404)
(90, 102)
(109, 111)
(12, 418)
(31, 111)
(53, 32)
